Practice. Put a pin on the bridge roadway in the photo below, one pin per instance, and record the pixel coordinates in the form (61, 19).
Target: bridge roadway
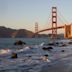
(59, 27)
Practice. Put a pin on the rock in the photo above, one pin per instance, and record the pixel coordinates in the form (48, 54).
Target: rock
(45, 58)
(51, 44)
(14, 55)
(70, 43)
(47, 48)
(50, 47)
(19, 42)
(62, 50)
(29, 56)
(57, 43)
(46, 55)
(63, 45)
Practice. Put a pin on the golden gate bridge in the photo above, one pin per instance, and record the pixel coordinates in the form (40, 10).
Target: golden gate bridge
(67, 27)
(54, 28)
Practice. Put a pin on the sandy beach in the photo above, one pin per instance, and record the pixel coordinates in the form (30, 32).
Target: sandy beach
(63, 65)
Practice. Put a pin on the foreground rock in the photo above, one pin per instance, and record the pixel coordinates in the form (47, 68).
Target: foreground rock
(19, 42)
(14, 55)
(70, 43)
(47, 48)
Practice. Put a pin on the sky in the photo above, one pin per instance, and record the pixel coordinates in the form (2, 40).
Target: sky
(22, 14)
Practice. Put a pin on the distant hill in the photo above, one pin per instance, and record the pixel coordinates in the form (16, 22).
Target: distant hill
(8, 33)
(20, 33)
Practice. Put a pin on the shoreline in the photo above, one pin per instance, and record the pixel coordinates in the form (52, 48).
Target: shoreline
(63, 65)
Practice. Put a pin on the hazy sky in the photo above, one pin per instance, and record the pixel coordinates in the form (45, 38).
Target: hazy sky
(24, 13)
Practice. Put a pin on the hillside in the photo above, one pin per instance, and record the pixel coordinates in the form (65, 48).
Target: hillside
(8, 33)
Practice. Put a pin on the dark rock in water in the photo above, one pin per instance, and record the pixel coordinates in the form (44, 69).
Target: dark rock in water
(57, 43)
(44, 48)
(47, 48)
(50, 47)
(46, 55)
(70, 43)
(19, 42)
(29, 56)
(14, 55)
(63, 45)
(51, 44)
(62, 50)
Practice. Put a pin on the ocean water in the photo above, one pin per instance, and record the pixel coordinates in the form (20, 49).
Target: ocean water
(6, 42)
(23, 63)
(31, 56)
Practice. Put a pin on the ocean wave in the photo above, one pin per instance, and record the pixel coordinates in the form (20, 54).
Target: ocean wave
(5, 51)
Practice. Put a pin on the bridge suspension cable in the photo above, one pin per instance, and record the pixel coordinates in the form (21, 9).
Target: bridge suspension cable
(62, 18)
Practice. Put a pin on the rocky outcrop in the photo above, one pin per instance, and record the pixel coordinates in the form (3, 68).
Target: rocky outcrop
(19, 42)
(14, 55)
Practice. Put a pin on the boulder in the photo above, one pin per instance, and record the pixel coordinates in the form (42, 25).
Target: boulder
(19, 42)
(14, 55)
(47, 48)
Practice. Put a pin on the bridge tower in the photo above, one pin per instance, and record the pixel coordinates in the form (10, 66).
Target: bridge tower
(68, 31)
(36, 29)
(54, 22)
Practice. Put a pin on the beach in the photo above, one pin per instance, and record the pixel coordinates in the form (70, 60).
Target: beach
(36, 57)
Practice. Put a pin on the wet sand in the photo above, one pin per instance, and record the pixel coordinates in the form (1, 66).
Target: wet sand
(63, 65)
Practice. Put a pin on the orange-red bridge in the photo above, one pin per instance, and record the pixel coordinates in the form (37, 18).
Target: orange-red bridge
(54, 28)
